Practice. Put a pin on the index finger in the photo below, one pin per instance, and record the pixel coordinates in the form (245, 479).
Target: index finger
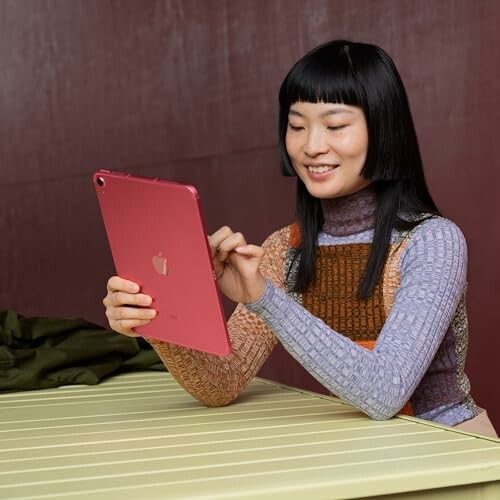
(117, 284)
(214, 240)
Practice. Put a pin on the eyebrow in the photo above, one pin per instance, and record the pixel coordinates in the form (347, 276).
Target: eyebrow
(335, 111)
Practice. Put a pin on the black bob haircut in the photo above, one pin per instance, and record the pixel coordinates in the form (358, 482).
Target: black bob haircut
(363, 75)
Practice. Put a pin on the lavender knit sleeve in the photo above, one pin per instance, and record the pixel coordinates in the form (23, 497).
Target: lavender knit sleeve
(379, 382)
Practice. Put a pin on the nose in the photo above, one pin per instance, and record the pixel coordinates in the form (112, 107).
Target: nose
(316, 143)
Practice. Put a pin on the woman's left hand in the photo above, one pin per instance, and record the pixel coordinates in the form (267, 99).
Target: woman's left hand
(237, 266)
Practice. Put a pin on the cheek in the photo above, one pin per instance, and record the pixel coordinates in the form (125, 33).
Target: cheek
(355, 145)
(292, 146)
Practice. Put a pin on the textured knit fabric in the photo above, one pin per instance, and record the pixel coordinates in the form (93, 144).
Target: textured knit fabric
(332, 294)
(349, 214)
(406, 343)
(420, 350)
(217, 380)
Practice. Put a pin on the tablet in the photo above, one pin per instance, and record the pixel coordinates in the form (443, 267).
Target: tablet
(158, 239)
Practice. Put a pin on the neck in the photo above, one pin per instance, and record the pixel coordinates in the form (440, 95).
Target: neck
(350, 214)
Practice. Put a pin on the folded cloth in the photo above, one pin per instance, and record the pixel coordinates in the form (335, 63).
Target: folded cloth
(38, 353)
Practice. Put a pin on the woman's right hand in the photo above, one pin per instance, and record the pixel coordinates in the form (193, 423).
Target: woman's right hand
(126, 307)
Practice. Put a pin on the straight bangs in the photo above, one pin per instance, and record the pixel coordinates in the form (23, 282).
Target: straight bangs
(319, 82)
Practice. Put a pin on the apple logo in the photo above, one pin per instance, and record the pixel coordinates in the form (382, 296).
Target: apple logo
(160, 264)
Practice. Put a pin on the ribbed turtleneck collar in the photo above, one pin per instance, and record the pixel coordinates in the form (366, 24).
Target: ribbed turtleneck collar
(350, 214)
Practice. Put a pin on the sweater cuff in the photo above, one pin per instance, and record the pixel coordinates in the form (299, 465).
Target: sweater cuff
(265, 300)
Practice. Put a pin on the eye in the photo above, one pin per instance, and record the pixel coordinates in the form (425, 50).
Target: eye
(295, 127)
(337, 127)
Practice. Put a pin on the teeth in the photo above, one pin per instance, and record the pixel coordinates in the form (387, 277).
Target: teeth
(320, 170)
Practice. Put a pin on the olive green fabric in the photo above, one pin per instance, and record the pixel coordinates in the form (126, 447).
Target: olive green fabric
(38, 353)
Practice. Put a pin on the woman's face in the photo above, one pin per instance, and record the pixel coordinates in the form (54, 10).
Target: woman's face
(327, 145)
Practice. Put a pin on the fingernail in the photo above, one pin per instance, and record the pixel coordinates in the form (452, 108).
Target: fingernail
(151, 314)
(134, 287)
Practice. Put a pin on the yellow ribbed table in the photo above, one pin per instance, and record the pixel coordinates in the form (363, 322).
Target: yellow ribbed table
(141, 436)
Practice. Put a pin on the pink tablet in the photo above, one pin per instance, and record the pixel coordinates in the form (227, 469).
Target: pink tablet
(157, 237)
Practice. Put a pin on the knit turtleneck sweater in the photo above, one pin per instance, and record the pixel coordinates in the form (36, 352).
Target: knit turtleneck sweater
(350, 214)
(407, 342)
(404, 346)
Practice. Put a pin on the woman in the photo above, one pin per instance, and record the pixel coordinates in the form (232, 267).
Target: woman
(366, 290)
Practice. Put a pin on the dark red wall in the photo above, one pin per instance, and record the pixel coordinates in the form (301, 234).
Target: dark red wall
(187, 90)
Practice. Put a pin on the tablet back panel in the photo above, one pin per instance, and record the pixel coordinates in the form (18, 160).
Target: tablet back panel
(157, 237)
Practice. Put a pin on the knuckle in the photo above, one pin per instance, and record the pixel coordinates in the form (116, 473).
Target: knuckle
(112, 313)
(119, 313)
(111, 282)
(124, 312)
(119, 298)
(110, 300)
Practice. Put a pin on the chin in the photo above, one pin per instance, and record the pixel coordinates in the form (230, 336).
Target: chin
(324, 193)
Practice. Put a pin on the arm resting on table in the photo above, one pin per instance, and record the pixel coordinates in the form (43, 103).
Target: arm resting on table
(217, 380)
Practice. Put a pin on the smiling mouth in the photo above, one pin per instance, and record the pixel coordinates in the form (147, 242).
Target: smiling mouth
(321, 169)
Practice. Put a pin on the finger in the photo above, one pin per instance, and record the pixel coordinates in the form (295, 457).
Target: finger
(229, 244)
(117, 284)
(218, 237)
(118, 313)
(117, 299)
(126, 326)
(250, 251)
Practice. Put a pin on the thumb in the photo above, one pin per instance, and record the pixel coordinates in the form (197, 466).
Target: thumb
(250, 251)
